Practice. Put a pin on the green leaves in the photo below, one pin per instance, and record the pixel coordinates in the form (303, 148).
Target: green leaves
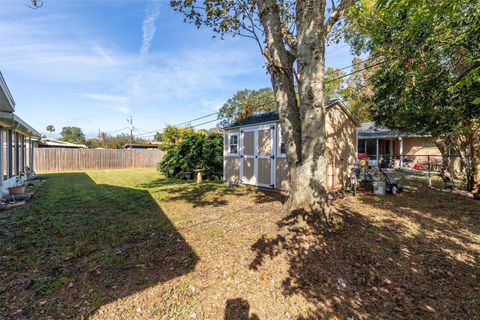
(246, 103)
(72, 135)
(430, 80)
(195, 151)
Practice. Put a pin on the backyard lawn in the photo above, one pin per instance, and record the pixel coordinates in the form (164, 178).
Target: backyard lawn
(130, 244)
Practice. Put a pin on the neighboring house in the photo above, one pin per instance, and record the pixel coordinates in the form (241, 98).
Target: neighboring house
(254, 153)
(142, 146)
(16, 140)
(381, 144)
(52, 143)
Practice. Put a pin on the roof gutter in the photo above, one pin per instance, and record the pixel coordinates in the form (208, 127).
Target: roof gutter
(18, 124)
(251, 125)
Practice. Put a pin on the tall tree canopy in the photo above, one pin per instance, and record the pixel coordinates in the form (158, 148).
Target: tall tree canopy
(429, 80)
(291, 35)
(72, 135)
(334, 84)
(246, 103)
(50, 129)
(113, 142)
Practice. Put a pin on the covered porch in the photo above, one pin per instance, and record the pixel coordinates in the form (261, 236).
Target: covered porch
(383, 151)
(16, 142)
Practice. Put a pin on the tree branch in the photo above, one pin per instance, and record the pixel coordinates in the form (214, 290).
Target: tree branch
(289, 39)
(337, 13)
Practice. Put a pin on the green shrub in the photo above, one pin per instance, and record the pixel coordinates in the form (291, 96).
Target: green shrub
(195, 151)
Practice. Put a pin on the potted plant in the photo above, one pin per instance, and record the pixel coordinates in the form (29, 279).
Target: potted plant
(19, 187)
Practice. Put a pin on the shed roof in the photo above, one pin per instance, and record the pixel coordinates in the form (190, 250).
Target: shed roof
(273, 116)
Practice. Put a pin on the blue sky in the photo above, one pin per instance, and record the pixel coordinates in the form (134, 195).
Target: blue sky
(92, 64)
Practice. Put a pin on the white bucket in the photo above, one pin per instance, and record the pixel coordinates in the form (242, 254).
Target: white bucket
(379, 188)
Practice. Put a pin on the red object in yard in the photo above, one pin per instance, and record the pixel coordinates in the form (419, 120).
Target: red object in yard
(417, 166)
(361, 155)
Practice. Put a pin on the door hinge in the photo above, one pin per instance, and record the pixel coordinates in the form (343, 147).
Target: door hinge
(272, 156)
(273, 186)
(241, 156)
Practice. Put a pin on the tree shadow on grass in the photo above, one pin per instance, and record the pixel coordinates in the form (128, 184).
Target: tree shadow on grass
(388, 266)
(84, 245)
(209, 193)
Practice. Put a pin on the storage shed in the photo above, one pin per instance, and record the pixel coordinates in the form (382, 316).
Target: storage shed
(254, 153)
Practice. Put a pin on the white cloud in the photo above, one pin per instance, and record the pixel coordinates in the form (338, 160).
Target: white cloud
(95, 73)
(152, 13)
(115, 103)
(213, 104)
(105, 97)
(120, 108)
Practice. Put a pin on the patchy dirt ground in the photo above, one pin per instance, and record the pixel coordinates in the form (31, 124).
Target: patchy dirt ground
(129, 244)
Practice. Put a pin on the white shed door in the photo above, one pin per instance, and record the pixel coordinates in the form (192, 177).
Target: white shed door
(258, 156)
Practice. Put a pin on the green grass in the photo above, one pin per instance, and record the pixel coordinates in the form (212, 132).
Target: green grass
(131, 244)
(98, 222)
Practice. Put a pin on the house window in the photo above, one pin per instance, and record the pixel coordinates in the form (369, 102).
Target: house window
(371, 147)
(282, 149)
(233, 143)
(361, 146)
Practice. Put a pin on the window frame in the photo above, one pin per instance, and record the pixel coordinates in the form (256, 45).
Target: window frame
(229, 150)
(280, 154)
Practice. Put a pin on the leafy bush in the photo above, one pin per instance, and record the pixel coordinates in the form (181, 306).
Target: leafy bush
(195, 151)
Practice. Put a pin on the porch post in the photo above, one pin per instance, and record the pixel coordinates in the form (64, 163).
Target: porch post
(401, 151)
(378, 165)
(23, 152)
(32, 154)
(2, 154)
(17, 154)
(8, 154)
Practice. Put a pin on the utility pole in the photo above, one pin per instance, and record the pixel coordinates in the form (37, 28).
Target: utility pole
(130, 121)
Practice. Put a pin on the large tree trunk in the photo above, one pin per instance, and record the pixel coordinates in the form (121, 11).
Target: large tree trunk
(450, 157)
(475, 156)
(311, 65)
(303, 121)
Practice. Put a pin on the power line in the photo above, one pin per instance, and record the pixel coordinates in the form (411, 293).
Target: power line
(349, 74)
(181, 124)
(208, 115)
(197, 125)
(201, 124)
(116, 130)
(357, 63)
(151, 133)
(336, 49)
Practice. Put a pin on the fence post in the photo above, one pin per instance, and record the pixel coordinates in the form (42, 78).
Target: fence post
(429, 172)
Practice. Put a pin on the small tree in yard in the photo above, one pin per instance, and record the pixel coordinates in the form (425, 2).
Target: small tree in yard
(195, 151)
(291, 35)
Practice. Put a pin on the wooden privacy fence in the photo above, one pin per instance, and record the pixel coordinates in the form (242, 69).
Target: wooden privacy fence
(63, 159)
